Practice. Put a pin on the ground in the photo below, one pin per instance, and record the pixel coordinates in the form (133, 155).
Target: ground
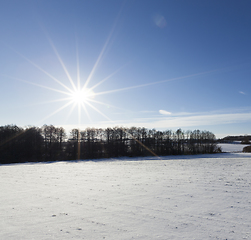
(182, 197)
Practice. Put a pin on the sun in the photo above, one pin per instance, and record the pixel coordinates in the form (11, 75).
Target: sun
(81, 96)
(78, 93)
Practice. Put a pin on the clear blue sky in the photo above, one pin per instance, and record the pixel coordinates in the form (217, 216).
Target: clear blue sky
(155, 64)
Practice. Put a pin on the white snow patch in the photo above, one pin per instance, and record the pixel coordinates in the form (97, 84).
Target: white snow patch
(232, 147)
(182, 197)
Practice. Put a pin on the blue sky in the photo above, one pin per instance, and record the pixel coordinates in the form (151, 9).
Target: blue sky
(154, 64)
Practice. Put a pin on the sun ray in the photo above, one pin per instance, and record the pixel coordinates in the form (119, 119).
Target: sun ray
(92, 88)
(70, 112)
(56, 111)
(78, 72)
(61, 62)
(96, 63)
(88, 115)
(39, 85)
(41, 69)
(79, 113)
(153, 83)
(104, 48)
(102, 103)
(98, 111)
(50, 101)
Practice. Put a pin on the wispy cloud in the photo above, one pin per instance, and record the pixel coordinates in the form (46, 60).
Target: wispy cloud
(242, 92)
(164, 112)
(202, 120)
(177, 120)
(159, 20)
(181, 120)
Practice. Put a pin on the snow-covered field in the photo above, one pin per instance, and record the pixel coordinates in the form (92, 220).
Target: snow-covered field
(182, 197)
(232, 147)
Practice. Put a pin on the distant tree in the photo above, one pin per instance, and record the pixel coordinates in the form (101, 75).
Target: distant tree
(73, 146)
(31, 142)
(245, 140)
(50, 143)
(247, 149)
(9, 147)
(20, 145)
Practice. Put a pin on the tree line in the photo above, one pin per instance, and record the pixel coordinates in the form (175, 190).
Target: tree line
(246, 139)
(50, 143)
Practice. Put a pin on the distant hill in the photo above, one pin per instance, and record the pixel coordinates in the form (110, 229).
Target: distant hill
(246, 139)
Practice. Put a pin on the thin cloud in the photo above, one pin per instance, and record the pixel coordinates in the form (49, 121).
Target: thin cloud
(242, 93)
(195, 121)
(164, 112)
(180, 121)
(159, 20)
(200, 120)
(203, 120)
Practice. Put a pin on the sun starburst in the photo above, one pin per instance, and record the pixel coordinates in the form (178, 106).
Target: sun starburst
(81, 96)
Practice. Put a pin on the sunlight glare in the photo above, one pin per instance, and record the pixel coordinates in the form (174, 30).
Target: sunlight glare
(82, 96)
(79, 95)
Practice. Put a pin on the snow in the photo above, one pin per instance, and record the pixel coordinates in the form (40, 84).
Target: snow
(232, 147)
(175, 197)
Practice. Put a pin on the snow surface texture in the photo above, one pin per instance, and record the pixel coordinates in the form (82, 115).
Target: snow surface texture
(182, 197)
